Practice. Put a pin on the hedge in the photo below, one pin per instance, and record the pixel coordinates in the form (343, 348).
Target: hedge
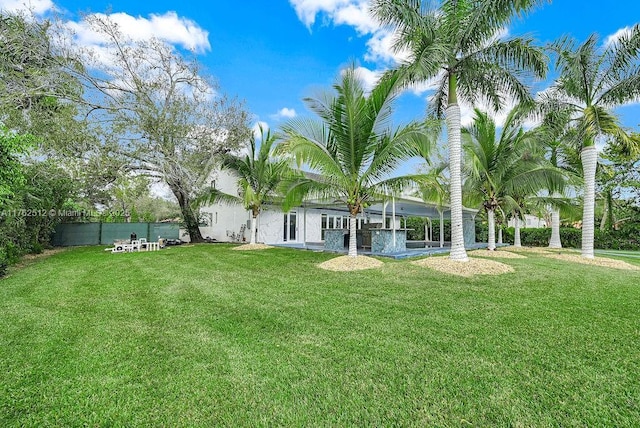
(572, 238)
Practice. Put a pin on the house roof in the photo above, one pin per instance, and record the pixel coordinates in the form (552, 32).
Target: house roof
(405, 206)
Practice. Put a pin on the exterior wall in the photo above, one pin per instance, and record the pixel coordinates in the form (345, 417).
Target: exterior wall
(225, 222)
(530, 221)
(232, 223)
(314, 225)
(270, 226)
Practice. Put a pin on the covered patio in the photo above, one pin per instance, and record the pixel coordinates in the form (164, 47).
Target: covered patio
(382, 229)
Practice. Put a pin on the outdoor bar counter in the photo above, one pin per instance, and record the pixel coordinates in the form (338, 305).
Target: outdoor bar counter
(381, 240)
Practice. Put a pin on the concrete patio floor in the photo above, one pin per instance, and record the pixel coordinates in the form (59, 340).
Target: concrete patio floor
(408, 253)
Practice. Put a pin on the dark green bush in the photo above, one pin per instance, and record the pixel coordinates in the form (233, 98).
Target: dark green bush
(436, 230)
(4, 262)
(12, 252)
(624, 239)
(418, 225)
(36, 248)
(416, 228)
(482, 231)
(539, 237)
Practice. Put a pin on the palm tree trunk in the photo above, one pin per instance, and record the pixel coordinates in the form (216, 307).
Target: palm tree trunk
(516, 238)
(458, 252)
(188, 216)
(500, 235)
(492, 230)
(441, 229)
(555, 242)
(603, 220)
(607, 215)
(353, 250)
(589, 162)
(254, 229)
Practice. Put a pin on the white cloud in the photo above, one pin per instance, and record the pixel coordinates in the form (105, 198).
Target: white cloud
(357, 15)
(380, 48)
(256, 128)
(284, 113)
(467, 113)
(368, 77)
(354, 13)
(38, 7)
(348, 12)
(502, 34)
(308, 9)
(169, 28)
(613, 38)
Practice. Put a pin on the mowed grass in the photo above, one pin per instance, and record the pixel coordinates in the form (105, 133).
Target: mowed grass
(205, 336)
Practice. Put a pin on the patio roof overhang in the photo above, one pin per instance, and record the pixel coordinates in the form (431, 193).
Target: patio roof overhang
(405, 207)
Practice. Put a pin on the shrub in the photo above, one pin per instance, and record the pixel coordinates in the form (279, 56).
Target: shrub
(482, 231)
(539, 237)
(4, 262)
(36, 248)
(447, 230)
(416, 228)
(624, 239)
(12, 252)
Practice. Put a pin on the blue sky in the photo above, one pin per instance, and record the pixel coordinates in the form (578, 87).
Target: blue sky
(273, 53)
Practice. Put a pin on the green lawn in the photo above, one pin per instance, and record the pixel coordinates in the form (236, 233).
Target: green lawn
(206, 336)
(622, 254)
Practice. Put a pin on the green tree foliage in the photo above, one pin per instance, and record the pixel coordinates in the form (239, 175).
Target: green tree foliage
(618, 187)
(46, 191)
(263, 177)
(353, 146)
(457, 43)
(159, 116)
(593, 81)
(29, 217)
(503, 170)
(434, 188)
(12, 147)
(35, 89)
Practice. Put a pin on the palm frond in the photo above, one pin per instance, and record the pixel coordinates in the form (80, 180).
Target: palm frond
(354, 146)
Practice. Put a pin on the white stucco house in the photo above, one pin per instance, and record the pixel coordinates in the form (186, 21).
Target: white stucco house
(530, 221)
(309, 222)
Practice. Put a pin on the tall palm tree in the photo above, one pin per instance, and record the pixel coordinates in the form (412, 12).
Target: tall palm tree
(503, 170)
(562, 155)
(262, 177)
(557, 144)
(457, 44)
(353, 146)
(613, 178)
(593, 81)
